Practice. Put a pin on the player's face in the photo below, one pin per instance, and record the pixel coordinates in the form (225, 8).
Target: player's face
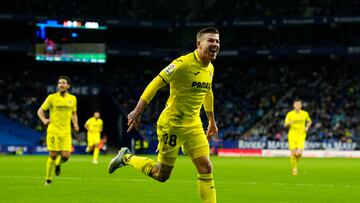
(97, 115)
(297, 105)
(63, 85)
(209, 46)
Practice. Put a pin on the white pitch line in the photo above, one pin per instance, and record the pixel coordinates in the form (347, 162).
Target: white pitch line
(181, 181)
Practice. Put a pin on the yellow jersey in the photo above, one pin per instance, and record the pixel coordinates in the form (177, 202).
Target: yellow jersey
(94, 125)
(189, 82)
(297, 128)
(60, 109)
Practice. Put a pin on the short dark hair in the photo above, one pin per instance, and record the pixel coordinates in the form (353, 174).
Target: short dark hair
(297, 100)
(65, 78)
(206, 30)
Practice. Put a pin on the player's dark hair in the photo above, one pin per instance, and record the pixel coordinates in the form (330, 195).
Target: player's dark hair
(65, 78)
(206, 30)
(297, 100)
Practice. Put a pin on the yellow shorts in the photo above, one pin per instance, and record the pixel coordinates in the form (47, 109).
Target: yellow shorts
(57, 142)
(192, 141)
(93, 139)
(296, 142)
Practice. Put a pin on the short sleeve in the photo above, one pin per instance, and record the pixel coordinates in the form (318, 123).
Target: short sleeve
(172, 70)
(75, 105)
(47, 103)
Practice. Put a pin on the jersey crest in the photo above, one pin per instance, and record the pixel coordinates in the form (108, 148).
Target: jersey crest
(169, 69)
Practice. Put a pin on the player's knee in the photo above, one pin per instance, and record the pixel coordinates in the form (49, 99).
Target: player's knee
(209, 168)
(53, 155)
(206, 168)
(65, 158)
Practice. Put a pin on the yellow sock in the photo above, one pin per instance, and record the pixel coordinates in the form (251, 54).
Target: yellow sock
(58, 160)
(294, 161)
(206, 187)
(141, 164)
(96, 153)
(50, 168)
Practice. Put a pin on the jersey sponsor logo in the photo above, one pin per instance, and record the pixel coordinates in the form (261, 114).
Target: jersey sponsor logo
(202, 85)
(169, 69)
(63, 107)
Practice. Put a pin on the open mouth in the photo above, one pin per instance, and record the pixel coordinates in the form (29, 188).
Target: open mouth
(213, 50)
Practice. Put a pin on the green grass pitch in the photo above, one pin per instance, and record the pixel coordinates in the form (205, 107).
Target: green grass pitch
(236, 179)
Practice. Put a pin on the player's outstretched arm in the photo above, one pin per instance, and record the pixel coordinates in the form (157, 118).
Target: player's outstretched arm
(150, 91)
(135, 115)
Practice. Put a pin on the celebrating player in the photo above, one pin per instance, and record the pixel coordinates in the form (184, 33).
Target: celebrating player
(179, 125)
(62, 107)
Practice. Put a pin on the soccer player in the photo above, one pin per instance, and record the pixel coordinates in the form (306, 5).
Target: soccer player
(298, 122)
(62, 108)
(94, 126)
(179, 125)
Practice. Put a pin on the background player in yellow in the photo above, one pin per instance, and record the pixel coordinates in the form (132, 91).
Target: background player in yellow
(179, 125)
(94, 126)
(298, 122)
(62, 110)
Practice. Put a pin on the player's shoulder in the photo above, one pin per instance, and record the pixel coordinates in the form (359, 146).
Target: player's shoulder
(304, 112)
(291, 113)
(179, 63)
(185, 59)
(71, 96)
(53, 95)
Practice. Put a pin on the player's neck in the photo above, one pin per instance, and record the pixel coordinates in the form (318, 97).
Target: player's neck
(297, 110)
(63, 94)
(203, 59)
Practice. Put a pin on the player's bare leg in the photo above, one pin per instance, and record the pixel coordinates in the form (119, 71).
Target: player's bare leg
(161, 172)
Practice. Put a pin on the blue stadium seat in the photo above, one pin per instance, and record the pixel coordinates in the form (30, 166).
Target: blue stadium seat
(12, 132)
